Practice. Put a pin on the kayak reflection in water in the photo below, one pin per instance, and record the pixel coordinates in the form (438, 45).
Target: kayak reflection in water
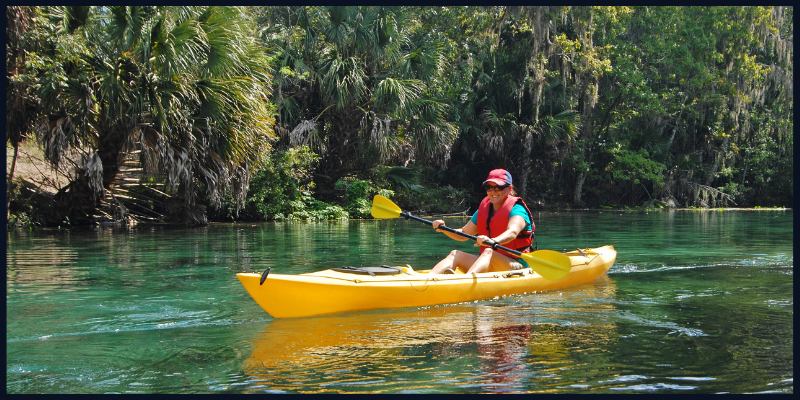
(502, 218)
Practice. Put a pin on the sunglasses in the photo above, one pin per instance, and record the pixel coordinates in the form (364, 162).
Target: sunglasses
(490, 188)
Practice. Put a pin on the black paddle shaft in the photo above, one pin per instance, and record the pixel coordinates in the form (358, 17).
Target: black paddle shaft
(408, 215)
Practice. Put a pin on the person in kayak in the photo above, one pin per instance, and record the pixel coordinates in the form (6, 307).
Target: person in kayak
(502, 218)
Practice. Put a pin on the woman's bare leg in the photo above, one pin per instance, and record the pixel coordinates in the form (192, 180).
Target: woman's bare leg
(502, 262)
(481, 264)
(453, 260)
(491, 260)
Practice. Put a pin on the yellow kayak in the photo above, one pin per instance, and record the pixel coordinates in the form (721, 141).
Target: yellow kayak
(341, 289)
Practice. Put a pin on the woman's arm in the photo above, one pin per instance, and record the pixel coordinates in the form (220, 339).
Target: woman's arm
(515, 225)
(469, 228)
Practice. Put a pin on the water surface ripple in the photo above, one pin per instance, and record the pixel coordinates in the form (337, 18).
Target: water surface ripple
(698, 302)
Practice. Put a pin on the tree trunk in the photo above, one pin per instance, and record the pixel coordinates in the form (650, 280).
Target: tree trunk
(13, 164)
(11, 176)
(111, 154)
(77, 202)
(74, 203)
(576, 196)
(523, 171)
(719, 154)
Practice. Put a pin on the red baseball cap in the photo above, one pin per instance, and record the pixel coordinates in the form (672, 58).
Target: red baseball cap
(500, 177)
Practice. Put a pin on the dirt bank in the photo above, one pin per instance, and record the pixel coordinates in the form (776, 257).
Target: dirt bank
(32, 167)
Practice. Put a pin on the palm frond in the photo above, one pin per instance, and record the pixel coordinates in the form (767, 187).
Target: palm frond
(70, 18)
(562, 127)
(339, 32)
(397, 95)
(343, 81)
(433, 141)
(405, 177)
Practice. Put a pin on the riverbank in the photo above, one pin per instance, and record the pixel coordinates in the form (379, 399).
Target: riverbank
(35, 183)
(23, 225)
(32, 167)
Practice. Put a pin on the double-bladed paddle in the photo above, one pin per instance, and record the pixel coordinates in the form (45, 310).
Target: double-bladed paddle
(549, 264)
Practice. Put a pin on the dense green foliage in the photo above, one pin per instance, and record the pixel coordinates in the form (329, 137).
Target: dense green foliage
(283, 189)
(187, 87)
(585, 106)
(362, 86)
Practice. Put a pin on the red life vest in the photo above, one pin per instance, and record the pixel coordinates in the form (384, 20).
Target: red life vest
(499, 223)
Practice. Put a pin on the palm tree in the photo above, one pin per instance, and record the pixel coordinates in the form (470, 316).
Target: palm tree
(358, 85)
(188, 86)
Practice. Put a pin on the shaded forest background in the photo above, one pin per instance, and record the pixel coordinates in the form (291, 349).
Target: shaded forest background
(191, 114)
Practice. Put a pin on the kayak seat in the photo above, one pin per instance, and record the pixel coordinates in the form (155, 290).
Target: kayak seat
(372, 271)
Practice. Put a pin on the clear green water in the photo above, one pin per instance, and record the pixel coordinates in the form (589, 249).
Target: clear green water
(698, 302)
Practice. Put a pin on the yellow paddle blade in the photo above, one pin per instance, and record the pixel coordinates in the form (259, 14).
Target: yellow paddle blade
(383, 208)
(550, 264)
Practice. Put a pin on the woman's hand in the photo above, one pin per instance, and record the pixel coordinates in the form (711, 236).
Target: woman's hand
(439, 226)
(483, 240)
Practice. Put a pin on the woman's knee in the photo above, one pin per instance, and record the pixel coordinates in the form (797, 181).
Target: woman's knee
(462, 258)
(501, 263)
